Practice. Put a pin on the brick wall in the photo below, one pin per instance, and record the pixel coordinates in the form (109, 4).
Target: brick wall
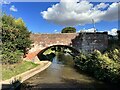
(81, 41)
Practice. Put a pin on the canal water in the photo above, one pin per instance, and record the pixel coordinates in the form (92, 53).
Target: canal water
(63, 75)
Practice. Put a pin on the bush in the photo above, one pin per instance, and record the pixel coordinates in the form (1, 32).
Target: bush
(11, 57)
(15, 39)
(114, 55)
(100, 66)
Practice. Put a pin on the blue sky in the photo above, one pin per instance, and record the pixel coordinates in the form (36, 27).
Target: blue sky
(38, 22)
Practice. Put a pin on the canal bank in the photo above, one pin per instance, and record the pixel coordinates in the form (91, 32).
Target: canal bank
(16, 80)
(63, 75)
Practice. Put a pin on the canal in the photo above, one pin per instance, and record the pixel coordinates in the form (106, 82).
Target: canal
(62, 74)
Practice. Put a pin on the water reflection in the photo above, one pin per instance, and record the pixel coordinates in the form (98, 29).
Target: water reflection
(65, 59)
(62, 74)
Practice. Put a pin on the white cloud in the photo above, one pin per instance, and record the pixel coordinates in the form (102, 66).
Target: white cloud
(112, 12)
(101, 6)
(73, 13)
(13, 8)
(87, 30)
(56, 31)
(113, 32)
(110, 32)
(4, 2)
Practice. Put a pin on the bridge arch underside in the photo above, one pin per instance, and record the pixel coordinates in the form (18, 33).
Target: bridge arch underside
(73, 50)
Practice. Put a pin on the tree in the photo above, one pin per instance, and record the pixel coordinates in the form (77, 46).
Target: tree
(15, 39)
(68, 30)
(23, 40)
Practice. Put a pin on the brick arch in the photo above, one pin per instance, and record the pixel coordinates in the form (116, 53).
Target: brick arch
(74, 50)
(32, 55)
(80, 41)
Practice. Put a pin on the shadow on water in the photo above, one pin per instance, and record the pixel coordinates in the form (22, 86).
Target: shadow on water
(13, 86)
(6, 86)
(64, 76)
(70, 84)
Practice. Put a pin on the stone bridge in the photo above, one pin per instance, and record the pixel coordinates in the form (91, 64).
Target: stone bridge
(79, 41)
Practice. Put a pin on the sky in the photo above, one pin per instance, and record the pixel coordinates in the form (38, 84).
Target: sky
(52, 17)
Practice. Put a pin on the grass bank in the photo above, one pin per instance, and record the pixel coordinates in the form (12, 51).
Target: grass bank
(9, 71)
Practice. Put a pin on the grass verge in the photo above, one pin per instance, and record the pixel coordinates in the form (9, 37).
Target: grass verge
(9, 71)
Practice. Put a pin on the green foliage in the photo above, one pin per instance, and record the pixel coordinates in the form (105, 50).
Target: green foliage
(100, 66)
(68, 30)
(15, 39)
(114, 55)
(11, 57)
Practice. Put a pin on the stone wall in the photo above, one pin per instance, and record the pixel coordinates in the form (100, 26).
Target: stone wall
(91, 41)
(80, 41)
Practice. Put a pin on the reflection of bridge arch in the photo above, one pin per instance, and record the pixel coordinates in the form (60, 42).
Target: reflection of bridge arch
(73, 50)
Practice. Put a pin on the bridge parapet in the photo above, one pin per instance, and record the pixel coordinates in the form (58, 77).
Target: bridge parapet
(45, 40)
(80, 41)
